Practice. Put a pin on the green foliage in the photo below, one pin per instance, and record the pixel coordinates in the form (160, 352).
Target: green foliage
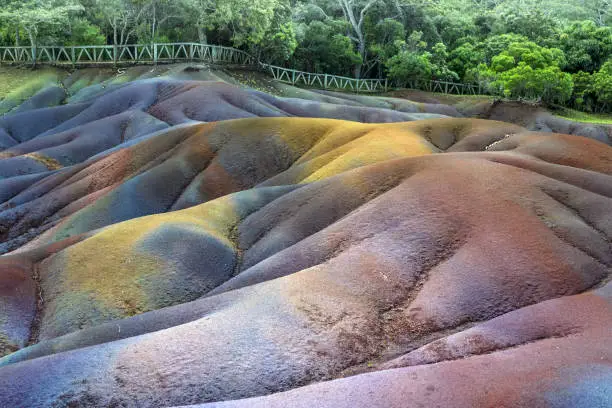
(323, 48)
(550, 83)
(593, 92)
(531, 23)
(527, 70)
(455, 29)
(280, 39)
(83, 32)
(586, 45)
(415, 42)
(578, 116)
(414, 63)
(496, 44)
(18, 94)
(282, 43)
(384, 37)
(441, 71)
(409, 65)
(601, 86)
(36, 15)
(521, 48)
(531, 54)
(464, 59)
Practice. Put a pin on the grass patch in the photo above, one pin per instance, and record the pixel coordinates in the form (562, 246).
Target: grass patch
(597, 118)
(19, 84)
(12, 78)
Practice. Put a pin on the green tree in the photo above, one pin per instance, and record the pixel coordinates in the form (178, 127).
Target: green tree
(440, 69)
(464, 60)
(279, 42)
(409, 65)
(601, 86)
(355, 12)
(122, 16)
(600, 10)
(496, 44)
(530, 53)
(82, 31)
(34, 15)
(455, 29)
(414, 62)
(586, 45)
(530, 22)
(245, 21)
(323, 48)
(527, 70)
(383, 41)
(582, 97)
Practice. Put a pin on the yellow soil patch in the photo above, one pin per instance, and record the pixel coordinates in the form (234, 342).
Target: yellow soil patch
(47, 161)
(108, 268)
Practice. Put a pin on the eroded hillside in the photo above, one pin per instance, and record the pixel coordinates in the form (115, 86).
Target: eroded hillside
(172, 241)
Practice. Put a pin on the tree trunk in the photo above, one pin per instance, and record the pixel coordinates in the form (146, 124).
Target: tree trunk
(357, 26)
(361, 50)
(153, 24)
(357, 70)
(32, 44)
(17, 38)
(202, 35)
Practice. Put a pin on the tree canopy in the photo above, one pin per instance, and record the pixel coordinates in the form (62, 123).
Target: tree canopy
(553, 50)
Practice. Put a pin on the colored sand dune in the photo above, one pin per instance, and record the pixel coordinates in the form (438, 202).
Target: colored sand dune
(171, 241)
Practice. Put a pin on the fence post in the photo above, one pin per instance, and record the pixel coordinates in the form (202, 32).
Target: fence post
(386, 85)
(114, 55)
(325, 82)
(33, 55)
(155, 54)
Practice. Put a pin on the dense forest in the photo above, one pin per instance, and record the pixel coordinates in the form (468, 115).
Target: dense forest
(555, 51)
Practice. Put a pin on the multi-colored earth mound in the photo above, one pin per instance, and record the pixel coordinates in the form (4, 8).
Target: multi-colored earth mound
(184, 240)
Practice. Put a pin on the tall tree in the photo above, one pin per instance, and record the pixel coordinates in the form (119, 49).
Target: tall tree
(356, 11)
(123, 17)
(246, 21)
(32, 15)
(602, 11)
(160, 11)
(586, 46)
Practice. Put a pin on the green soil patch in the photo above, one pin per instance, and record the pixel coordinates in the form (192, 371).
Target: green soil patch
(434, 97)
(255, 80)
(12, 79)
(597, 118)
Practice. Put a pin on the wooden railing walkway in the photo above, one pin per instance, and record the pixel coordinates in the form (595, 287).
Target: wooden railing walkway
(176, 52)
(124, 54)
(325, 81)
(447, 87)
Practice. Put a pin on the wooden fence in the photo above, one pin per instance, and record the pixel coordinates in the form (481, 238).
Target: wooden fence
(123, 54)
(176, 52)
(447, 87)
(325, 81)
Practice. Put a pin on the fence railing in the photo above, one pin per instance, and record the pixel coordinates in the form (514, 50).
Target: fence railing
(123, 54)
(216, 54)
(325, 81)
(447, 87)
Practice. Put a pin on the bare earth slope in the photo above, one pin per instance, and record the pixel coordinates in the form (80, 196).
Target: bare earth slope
(175, 242)
(532, 117)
